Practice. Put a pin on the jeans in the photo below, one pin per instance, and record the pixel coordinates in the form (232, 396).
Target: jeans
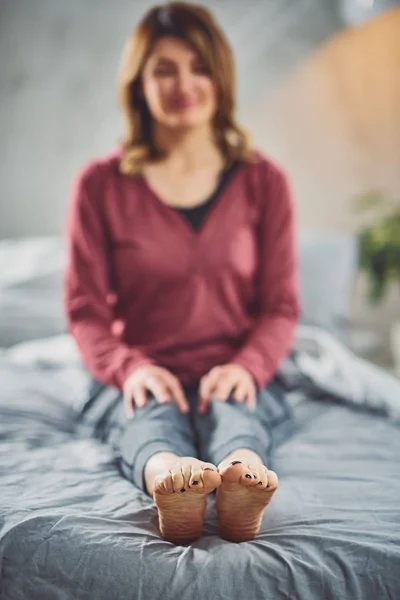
(226, 426)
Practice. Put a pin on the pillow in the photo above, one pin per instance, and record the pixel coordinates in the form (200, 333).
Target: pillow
(31, 289)
(52, 351)
(32, 260)
(328, 268)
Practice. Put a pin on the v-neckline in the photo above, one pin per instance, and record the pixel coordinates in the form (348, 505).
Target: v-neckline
(173, 211)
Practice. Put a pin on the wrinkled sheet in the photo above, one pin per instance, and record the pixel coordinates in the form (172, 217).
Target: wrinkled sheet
(71, 527)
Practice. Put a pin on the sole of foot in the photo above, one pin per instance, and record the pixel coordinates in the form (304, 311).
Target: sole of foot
(244, 493)
(180, 495)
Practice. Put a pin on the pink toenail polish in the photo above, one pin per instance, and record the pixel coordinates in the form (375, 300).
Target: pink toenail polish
(236, 462)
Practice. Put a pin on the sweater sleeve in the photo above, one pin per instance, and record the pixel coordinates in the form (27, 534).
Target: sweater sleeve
(279, 307)
(86, 288)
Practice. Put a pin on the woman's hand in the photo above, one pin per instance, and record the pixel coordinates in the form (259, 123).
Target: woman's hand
(221, 381)
(159, 381)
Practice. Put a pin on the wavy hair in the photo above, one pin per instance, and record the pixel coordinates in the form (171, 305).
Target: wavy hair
(193, 24)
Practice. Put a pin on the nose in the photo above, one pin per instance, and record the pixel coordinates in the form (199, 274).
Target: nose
(184, 81)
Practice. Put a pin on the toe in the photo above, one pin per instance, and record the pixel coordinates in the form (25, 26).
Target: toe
(163, 484)
(231, 473)
(273, 482)
(209, 467)
(186, 469)
(178, 480)
(196, 478)
(262, 480)
(256, 471)
(188, 475)
(250, 476)
(159, 486)
(210, 477)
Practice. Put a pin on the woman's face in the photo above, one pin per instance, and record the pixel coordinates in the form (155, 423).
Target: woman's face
(177, 86)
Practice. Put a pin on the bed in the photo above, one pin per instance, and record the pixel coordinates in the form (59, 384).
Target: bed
(73, 528)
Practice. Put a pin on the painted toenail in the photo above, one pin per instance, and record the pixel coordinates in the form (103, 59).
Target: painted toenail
(236, 462)
(195, 482)
(183, 490)
(248, 476)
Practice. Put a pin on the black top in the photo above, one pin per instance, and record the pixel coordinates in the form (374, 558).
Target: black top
(195, 215)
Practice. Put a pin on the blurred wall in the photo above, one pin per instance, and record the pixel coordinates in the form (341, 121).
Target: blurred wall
(355, 12)
(335, 125)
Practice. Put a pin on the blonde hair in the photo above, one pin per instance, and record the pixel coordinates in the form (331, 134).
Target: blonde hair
(195, 25)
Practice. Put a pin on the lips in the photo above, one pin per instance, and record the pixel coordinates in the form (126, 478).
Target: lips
(182, 104)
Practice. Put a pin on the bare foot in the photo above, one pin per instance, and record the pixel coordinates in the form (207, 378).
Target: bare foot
(180, 495)
(245, 491)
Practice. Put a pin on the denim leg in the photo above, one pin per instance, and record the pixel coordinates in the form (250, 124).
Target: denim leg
(230, 425)
(154, 428)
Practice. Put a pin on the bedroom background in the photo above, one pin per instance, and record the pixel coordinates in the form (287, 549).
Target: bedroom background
(318, 89)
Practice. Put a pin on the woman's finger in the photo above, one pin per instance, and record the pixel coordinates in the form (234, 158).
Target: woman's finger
(208, 382)
(206, 388)
(139, 396)
(240, 391)
(223, 387)
(128, 402)
(177, 392)
(158, 387)
(203, 404)
(251, 398)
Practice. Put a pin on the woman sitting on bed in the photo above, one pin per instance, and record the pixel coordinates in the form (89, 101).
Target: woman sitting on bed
(181, 286)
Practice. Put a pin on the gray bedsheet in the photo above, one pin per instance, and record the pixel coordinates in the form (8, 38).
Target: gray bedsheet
(73, 528)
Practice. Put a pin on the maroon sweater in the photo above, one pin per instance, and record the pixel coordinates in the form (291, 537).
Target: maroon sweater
(143, 287)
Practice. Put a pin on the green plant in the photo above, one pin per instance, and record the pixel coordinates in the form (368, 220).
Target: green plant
(379, 242)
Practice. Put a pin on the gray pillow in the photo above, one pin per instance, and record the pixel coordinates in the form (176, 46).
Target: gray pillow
(31, 281)
(328, 268)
